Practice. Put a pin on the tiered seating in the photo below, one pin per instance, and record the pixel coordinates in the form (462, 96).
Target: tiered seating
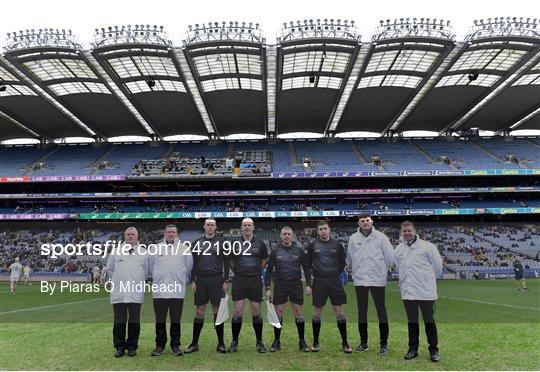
(463, 154)
(330, 157)
(402, 155)
(398, 156)
(468, 247)
(217, 205)
(124, 157)
(521, 148)
(15, 160)
(71, 161)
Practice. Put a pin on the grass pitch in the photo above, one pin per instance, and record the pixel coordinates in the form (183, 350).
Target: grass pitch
(485, 325)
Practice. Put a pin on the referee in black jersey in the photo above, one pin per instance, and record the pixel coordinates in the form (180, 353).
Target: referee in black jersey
(327, 261)
(285, 266)
(210, 277)
(247, 264)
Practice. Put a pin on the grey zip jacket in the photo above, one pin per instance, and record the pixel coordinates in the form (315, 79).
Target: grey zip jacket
(370, 257)
(127, 272)
(419, 265)
(170, 269)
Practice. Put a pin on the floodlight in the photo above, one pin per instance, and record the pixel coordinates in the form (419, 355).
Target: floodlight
(473, 75)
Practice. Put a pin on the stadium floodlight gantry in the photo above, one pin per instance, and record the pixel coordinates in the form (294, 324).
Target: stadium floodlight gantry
(141, 61)
(315, 60)
(42, 67)
(477, 90)
(227, 60)
(226, 80)
(404, 55)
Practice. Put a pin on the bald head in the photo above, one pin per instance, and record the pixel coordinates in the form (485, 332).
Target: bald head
(247, 228)
(131, 235)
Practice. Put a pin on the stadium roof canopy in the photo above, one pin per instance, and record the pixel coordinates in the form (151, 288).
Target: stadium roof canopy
(226, 79)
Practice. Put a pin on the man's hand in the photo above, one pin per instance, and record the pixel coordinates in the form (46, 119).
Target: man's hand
(225, 287)
(193, 287)
(309, 290)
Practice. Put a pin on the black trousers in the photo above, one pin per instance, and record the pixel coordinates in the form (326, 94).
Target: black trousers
(378, 295)
(172, 306)
(428, 310)
(129, 313)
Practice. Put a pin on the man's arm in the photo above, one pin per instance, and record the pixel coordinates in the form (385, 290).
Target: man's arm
(110, 266)
(388, 252)
(436, 261)
(225, 259)
(270, 269)
(310, 254)
(264, 255)
(306, 267)
(396, 259)
(342, 254)
(188, 262)
(195, 268)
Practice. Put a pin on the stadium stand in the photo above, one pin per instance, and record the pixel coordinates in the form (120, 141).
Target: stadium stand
(467, 247)
(261, 204)
(371, 155)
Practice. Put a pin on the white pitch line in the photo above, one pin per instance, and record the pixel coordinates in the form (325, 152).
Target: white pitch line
(49, 306)
(483, 302)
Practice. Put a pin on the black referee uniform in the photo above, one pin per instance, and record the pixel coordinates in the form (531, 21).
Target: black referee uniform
(247, 282)
(210, 270)
(285, 266)
(327, 261)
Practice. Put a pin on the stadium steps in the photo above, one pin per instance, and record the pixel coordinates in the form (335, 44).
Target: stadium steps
(488, 152)
(230, 150)
(100, 159)
(292, 154)
(43, 158)
(169, 151)
(534, 143)
(428, 156)
(361, 158)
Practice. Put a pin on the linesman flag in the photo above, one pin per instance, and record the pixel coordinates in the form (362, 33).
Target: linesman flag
(223, 311)
(271, 315)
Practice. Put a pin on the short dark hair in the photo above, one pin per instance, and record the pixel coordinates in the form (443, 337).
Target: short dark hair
(364, 215)
(407, 223)
(322, 223)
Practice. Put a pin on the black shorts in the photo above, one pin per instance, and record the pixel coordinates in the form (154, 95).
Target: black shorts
(249, 287)
(208, 289)
(288, 290)
(328, 287)
(518, 275)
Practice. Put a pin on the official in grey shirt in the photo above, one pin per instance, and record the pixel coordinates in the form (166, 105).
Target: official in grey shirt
(419, 264)
(170, 266)
(370, 254)
(127, 274)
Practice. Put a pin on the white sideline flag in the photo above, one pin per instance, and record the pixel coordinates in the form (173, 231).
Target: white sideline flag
(271, 315)
(223, 312)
